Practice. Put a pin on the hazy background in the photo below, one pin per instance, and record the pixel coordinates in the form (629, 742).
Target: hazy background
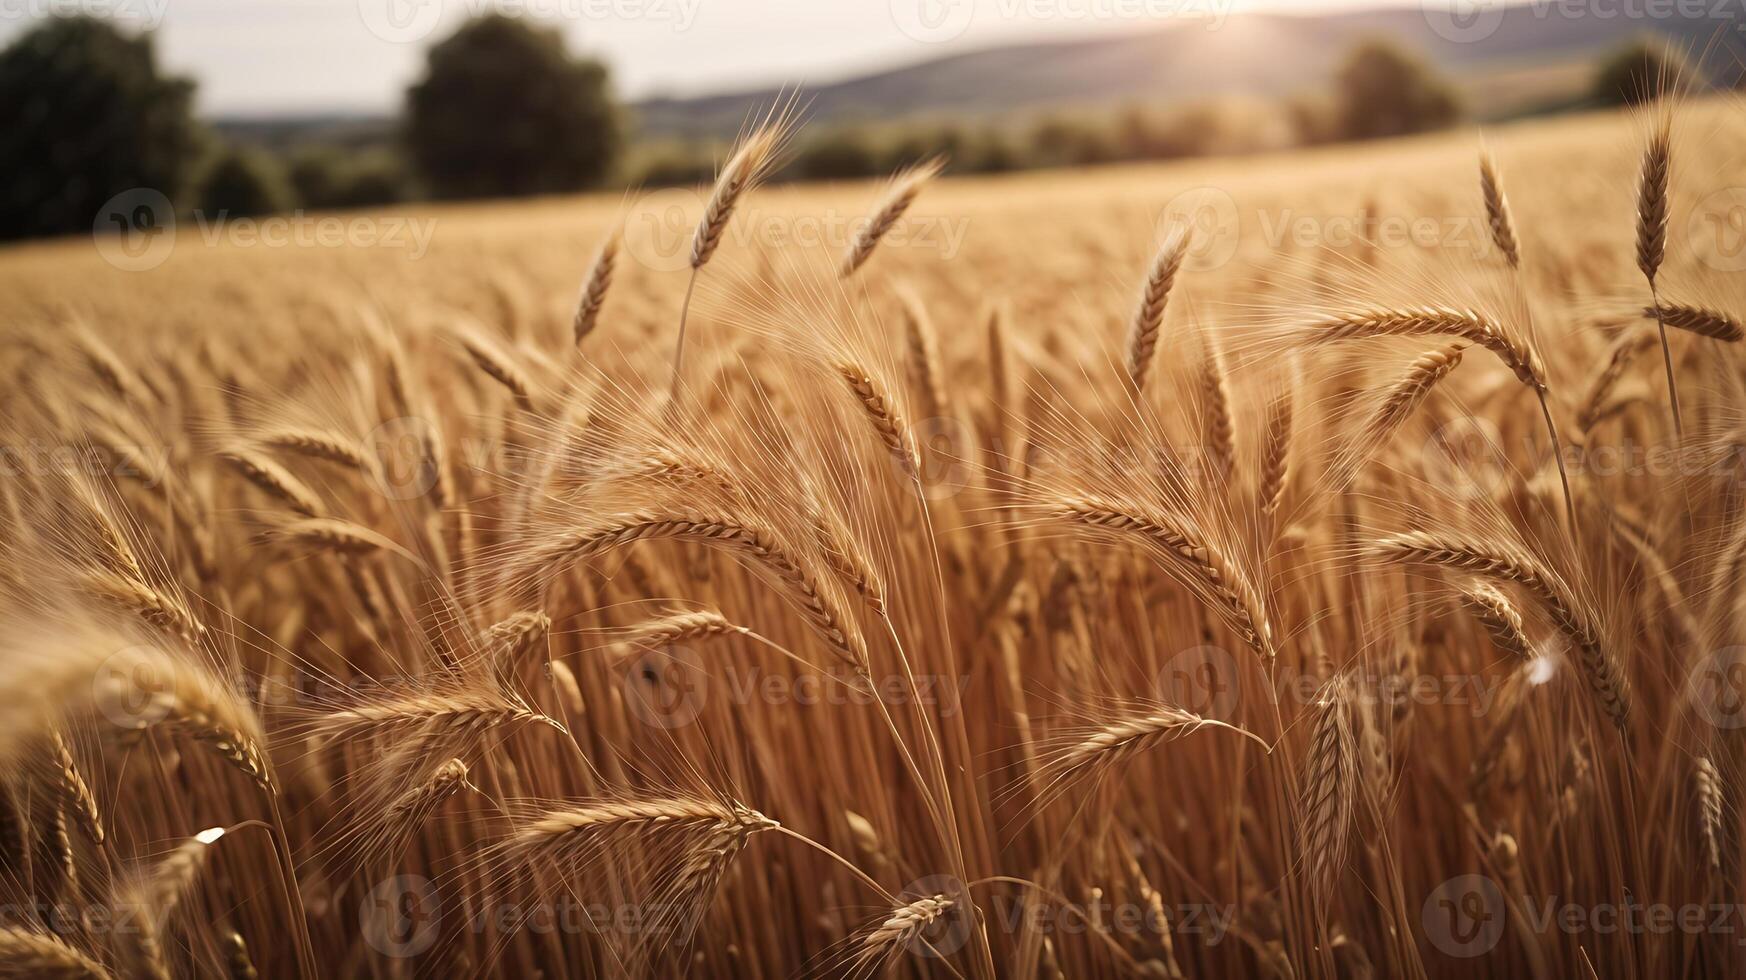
(240, 108)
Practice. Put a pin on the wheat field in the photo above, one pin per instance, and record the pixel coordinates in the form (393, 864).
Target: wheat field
(1314, 566)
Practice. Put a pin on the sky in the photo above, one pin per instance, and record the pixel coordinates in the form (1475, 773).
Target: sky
(274, 57)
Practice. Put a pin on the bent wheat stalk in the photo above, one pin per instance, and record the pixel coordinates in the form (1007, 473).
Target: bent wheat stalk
(1505, 563)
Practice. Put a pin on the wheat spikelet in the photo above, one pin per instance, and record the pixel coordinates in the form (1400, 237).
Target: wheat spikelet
(1329, 788)
(509, 641)
(140, 599)
(1625, 349)
(593, 297)
(39, 956)
(1701, 320)
(110, 368)
(1497, 212)
(748, 164)
(74, 791)
(898, 197)
(923, 357)
(425, 717)
(1652, 186)
(1184, 551)
(158, 690)
(1504, 563)
(1148, 317)
(1119, 740)
(880, 943)
(680, 627)
(316, 444)
(887, 424)
(757, 544)
(1276, 453)
(1410, 391)
(1498, 615)
(338, 536)
(1709, 798)
(1429, 321)
(274, 480)
(498, 366)
(1217, 430)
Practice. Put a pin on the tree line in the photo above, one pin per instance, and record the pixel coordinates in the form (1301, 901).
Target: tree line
(504, 110)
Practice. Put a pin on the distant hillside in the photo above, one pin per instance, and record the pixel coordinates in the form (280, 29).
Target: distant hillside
(1255, 54)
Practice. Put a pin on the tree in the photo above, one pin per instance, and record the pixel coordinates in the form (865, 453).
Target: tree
(1638, 72)
(88, 116)
(244, 182)
(503, 110)
(1384, 91)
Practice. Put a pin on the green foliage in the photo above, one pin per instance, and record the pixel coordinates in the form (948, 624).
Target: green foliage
(88, 116)
(244, 182)
(1384, 91)
(326, 178)
(1638, 72)
(504, 110)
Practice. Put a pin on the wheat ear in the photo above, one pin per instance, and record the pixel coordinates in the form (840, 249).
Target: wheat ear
(1119, 740)
(923, 355)
(274, 480)
(1652, 186)
(1708, 785)
(1498, 615)
(756, 544)
(329, 447)
(882, 413)
(1505, 563)
(74, 791)
(1329, 789)
(497, 365)
(26, 953)
(593, 297)
(1183, 551)
(904, 189)
(1276, 452)
(1625, 349)
(1497, 212)
(1149, 314)
(1702, 320)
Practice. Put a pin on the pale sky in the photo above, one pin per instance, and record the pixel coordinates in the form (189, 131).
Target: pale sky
(282, 56)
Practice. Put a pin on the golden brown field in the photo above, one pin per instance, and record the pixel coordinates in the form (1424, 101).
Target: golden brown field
(1156, 571)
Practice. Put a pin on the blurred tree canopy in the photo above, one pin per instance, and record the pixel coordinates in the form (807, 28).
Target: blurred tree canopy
(244, 182)
(88, 116)
(1384, 91)
(504, 110)
(1638, 72)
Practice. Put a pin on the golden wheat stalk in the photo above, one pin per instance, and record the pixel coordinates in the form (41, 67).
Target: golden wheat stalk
(31, 955)
(738, 537)
(1148, 317)
(1702, 320)
(1497, 212)
(1329, 792)
(1183, 552)
(593, 296)
(904, 189)
(274, 480)
(1498, 615)
(1501, 562)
